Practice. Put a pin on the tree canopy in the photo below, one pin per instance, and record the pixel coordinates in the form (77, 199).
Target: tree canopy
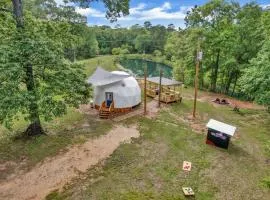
(37, 80)
(233, 39)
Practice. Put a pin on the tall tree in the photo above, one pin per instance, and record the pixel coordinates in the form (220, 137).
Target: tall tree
(147, 24)
(115, 8)
(256, 80)
(33, 68)
(143, 43)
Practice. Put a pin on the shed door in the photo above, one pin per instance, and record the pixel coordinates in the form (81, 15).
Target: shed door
(108, 98)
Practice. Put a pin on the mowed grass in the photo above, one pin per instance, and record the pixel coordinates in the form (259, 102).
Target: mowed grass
(106, 62)
(151, 167)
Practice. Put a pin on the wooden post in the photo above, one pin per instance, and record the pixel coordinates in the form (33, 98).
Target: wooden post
(196, 80)
(145, 75)
(160, 87)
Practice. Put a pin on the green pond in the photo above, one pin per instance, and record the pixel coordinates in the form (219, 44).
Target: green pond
(136, 66)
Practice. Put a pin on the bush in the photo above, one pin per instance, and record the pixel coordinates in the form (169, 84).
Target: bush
(116, 51)
(266, 182)
(157, 53)
(124, 51)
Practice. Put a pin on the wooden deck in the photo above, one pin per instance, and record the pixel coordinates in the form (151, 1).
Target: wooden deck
(112, 112)
(169, 98)
(169, 94)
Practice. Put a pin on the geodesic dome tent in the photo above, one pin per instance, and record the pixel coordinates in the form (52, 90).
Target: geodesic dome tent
(117, 87)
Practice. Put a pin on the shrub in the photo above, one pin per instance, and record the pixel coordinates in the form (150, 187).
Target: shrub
(157, 53)
(116, 51)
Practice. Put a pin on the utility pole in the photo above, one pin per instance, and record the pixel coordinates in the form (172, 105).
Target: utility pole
(198, 59)
(145, 76)
(160, 87)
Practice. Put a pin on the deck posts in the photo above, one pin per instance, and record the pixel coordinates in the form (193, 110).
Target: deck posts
(199, 58)
(145, 75)
(160, 87)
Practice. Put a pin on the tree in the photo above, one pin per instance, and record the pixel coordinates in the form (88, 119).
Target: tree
(216, 18)
(115, 8)
(143, 43)
(181, 49)
(89, 47)
(256, 80)
(157, 53)
(33, 68)
(159, 36)
(116, 51)
(171, 27)
(41, 81)
(147, 25)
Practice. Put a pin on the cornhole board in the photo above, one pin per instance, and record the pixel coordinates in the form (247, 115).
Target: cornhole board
(188, 191)
(186, 166)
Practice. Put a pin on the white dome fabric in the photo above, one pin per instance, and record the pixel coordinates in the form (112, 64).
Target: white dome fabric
(103, 77)
(126, 93)
(120, 73)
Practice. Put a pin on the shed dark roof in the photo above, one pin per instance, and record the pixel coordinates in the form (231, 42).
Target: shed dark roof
(164, 81)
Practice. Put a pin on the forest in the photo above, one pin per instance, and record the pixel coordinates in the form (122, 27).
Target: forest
(48, 40)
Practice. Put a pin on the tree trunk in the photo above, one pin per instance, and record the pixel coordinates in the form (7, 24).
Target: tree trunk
(35, 127)
(182, 74)
(215, 73)
(228, 84)
(18, 12)
(235, 82)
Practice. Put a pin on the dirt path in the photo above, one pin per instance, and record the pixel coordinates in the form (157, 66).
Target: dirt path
(209, 97)
(55, 172)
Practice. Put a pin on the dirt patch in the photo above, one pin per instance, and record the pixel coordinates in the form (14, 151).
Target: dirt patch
(55, 172)
(196, 125)
(209, 97)
(86, 109)
(153, 109)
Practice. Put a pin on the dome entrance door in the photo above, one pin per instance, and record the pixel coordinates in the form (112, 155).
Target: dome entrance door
(108, 98)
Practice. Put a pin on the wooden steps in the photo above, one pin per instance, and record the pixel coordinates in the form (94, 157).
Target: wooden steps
(104, 114)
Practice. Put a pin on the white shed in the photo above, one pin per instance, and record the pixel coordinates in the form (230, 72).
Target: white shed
(219, 133)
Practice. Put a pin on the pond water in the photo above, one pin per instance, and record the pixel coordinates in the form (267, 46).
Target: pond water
(136, 66)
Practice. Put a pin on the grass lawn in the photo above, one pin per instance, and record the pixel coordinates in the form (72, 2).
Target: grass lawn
(151, 167)
(106, 62)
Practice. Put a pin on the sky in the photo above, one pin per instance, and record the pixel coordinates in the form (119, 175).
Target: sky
(162, 12)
